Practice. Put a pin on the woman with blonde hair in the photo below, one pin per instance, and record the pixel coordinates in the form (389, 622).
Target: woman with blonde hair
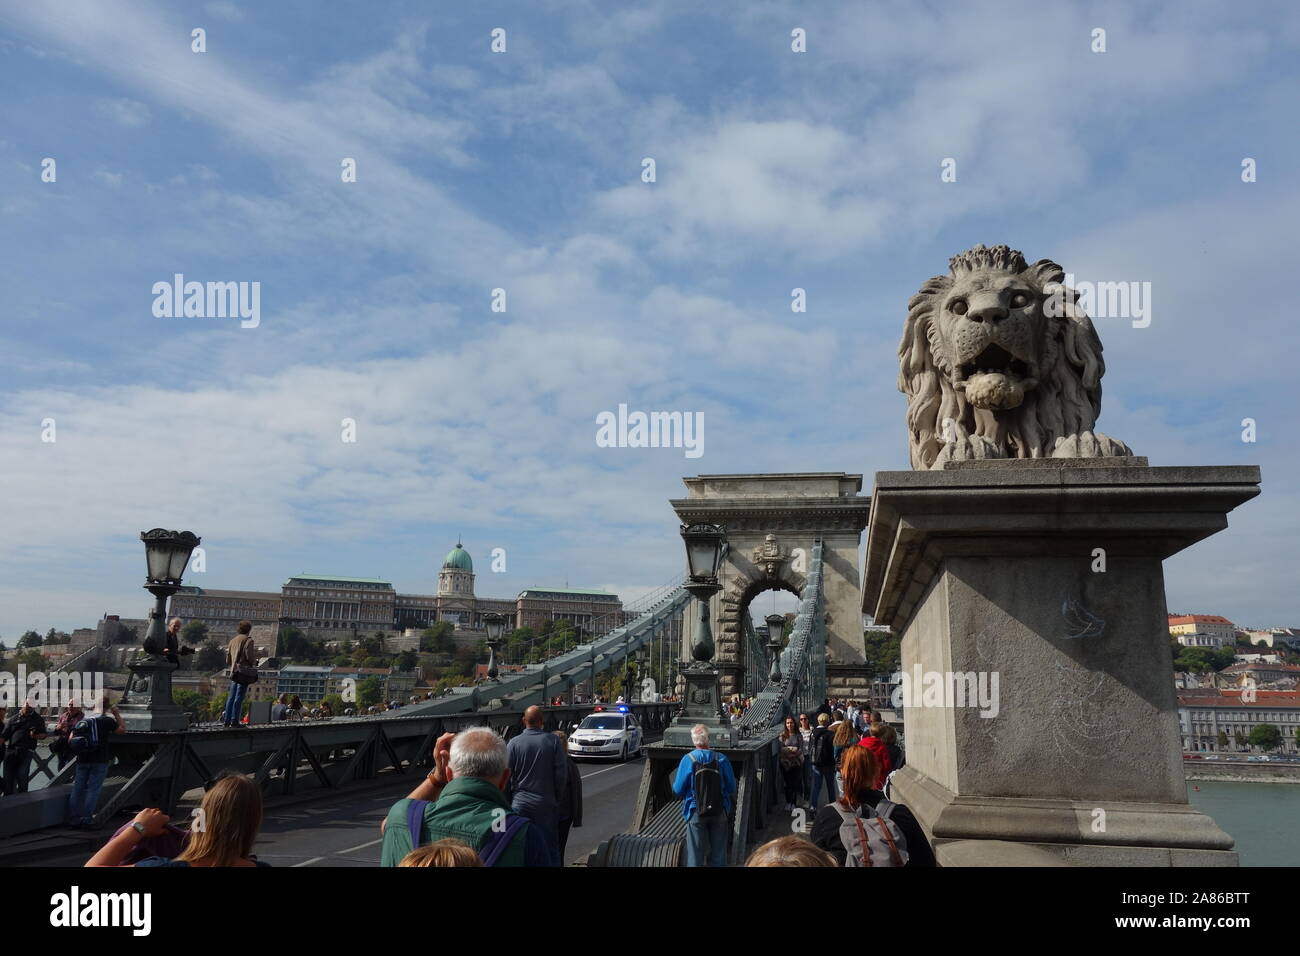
(225, 829)
(444, 852)
(790, 851)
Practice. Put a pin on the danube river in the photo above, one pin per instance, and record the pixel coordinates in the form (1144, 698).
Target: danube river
(1261, 817)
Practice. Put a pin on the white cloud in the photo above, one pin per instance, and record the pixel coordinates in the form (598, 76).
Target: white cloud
(129, 113)
(224, 10)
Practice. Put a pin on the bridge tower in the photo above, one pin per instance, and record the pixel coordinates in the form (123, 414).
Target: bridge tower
(771, 521)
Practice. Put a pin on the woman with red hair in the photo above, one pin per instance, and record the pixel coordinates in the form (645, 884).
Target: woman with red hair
(861, 798)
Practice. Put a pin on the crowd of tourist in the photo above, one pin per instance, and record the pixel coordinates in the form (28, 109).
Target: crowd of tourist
(492, 803)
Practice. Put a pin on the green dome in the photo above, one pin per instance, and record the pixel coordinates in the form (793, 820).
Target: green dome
(458, 557)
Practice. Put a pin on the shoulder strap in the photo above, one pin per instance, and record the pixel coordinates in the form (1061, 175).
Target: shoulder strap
(893, 847)
(864, 844)
(415, 821)
(884, 808)
(497, 841)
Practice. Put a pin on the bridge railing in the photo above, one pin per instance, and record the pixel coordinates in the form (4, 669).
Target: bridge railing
(536, 683)
(289, 759)
(803, 662)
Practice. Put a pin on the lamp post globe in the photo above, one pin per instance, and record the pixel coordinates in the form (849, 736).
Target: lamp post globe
(494, 624)
(167, 554)
(704, 547)
(147, 704)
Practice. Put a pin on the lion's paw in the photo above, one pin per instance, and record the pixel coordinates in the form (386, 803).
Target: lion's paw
(1090, 444)
(966, 447)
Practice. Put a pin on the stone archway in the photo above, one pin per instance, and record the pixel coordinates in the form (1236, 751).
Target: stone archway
(747, 581)
(772, 522)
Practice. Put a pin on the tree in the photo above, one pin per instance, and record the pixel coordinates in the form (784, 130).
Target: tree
(336, 704)
(57, 637)
(293, 643)
(438, 638)
(1201, 659)
(29, 639)
(407, 661)
(32, 659)
(883, 652)
(1265, 736)
(192, 702)
(1239, 739)
(211, 657)
(1222, 740)
(369, 692)
(194, 632)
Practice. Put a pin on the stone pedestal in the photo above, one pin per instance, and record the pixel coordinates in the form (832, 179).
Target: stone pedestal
(147, 704)
(1038, 585)
(702, 705)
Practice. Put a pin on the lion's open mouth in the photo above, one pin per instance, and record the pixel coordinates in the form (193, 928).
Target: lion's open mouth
(996, 359)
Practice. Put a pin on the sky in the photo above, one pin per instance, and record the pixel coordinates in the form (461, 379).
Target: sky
(522, 171)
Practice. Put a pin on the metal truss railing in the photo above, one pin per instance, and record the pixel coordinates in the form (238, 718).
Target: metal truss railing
(803, 662)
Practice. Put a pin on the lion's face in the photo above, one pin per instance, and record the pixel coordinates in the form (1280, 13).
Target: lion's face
(996, 337)
(990, 371)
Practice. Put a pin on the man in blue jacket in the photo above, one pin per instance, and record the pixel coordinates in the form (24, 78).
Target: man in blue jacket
(706, 837)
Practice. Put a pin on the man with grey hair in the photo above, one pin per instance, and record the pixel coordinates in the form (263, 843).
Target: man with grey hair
(464, 798)
(707, 785)
(172, 647)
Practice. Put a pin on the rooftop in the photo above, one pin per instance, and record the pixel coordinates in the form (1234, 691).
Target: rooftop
(1210, 697)
(569, 591)
(335, 579)
(1198, 619)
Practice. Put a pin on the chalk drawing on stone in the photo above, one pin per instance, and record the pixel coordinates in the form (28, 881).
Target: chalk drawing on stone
(1082, 725)
(1081, 621)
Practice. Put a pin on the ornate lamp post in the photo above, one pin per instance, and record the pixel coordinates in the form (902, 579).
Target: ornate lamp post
(495, 625)
(147, 703)
(775, 625)
(703, 704)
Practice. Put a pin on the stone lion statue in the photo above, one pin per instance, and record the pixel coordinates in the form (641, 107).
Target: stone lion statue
(998, 362)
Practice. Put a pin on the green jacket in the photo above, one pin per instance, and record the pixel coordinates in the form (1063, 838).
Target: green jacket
(465, 810)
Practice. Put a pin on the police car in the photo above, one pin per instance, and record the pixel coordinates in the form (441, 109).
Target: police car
(608, 731)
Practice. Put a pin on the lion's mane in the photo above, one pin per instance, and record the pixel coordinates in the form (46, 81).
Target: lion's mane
(1064, 405)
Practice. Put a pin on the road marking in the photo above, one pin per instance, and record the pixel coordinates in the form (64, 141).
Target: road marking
(362, 847)
(606, 770)
(314, 859)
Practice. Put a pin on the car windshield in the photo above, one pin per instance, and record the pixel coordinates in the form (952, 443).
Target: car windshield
(602, 722)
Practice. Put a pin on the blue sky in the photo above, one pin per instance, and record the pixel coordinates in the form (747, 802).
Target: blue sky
(521, 171)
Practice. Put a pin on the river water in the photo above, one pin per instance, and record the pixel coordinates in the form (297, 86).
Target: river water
(1261, 817)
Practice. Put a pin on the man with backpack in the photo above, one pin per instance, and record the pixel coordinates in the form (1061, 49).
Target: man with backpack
(707, 786)
(465, 798)
(88, 743)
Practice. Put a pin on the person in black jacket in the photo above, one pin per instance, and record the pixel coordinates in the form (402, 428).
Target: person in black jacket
(21, 732)
(858, 770)
(823, 761)
(571, 805)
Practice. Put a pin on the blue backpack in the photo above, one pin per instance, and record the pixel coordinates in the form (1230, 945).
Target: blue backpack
(84, 738)
(492, 847)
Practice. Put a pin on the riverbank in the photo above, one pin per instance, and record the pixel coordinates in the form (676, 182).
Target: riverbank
(1242, 772)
